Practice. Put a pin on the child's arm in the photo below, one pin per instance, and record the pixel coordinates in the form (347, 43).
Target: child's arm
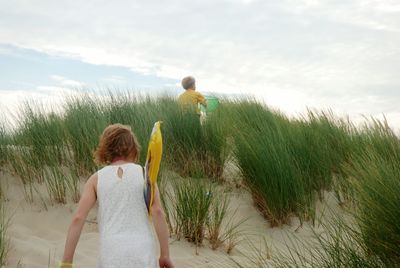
(86, 202)
(201, 99)
(161, 227)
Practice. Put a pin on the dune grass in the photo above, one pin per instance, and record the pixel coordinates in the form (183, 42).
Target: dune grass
(369, 237)
(375, 177)
(84, 122)
(287, 163)
(21, 164)
(183, 142)
(58, 148)
(56, 184)
(377, 187)
(197, 210)
(4, 242)
(338, 246)
(4, 142)
(192, 202)
(320, 144)
(266, 162)
(337, 243)
(194, 149)
(218, 213)
(215, 144)
(223, 225)
(41, 132)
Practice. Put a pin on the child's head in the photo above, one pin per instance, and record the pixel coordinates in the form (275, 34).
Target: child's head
(189, 83)
(117, 141)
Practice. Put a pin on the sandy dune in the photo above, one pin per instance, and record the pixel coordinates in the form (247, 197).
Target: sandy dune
(37, 233)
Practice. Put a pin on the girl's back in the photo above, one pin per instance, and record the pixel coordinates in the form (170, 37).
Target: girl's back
(125, 233)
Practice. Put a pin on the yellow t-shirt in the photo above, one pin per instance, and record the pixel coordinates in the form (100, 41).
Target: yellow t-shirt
(191, 97)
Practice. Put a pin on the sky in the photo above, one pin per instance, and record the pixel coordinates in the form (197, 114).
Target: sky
(342, 55)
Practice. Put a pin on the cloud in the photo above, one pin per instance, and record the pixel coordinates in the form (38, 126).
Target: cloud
(72, 83)
(324, 54)
(57, 77)
(68, 83)
(114, 79)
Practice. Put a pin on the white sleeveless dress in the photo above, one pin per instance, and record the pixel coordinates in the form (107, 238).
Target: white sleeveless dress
(126, 237)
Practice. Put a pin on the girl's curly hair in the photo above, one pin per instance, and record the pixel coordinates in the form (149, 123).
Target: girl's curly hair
(117, 140)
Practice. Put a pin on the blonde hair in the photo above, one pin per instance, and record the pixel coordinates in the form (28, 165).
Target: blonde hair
(117, 140)
(188, 82)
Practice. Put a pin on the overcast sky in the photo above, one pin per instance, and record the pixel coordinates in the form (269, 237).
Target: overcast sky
(338, 54)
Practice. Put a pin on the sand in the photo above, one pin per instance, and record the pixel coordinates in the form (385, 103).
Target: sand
(37, 233)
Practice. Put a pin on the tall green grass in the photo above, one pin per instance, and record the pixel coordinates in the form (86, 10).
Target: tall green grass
(197, 210)
(218, 213)
(38, 146)
(195, 149)
(320, 144)
(42, 133)
(376, 181)
(4, 242)
(183, 142)
(3, 145)
(56, 184)
(21, 164)
(370, 235)
(215, 144)
(84, 122)
(223, 225)
(286, 162)
(268, 167)
(46, 143)
(192, 200)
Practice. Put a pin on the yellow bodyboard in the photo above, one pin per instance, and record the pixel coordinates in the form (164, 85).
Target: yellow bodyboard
(152, 166)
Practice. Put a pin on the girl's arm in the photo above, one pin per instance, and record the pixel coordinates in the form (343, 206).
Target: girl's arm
(161, 227)
(88, 199)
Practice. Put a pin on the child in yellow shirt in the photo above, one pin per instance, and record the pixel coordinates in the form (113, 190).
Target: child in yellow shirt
(191, 97)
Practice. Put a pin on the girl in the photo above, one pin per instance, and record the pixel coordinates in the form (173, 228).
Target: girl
(126, 238)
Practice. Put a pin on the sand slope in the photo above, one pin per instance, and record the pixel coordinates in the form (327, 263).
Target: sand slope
(37, 234)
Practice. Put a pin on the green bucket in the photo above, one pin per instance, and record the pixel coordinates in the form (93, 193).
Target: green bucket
(212, 104)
